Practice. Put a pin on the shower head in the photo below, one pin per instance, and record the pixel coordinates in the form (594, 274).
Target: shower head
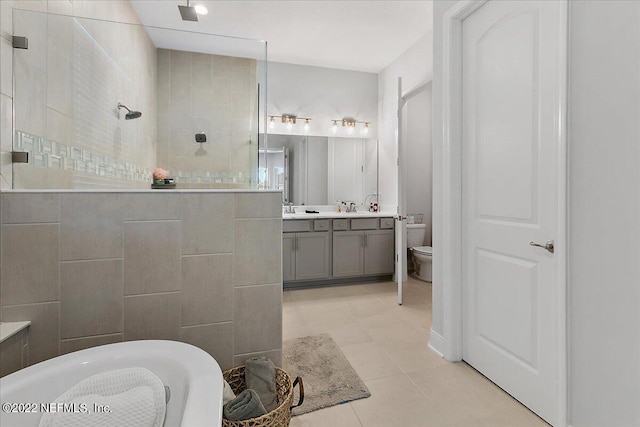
(188, 13)
(131, 114)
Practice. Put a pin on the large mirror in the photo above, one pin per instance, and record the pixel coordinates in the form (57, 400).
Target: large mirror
(317, 170)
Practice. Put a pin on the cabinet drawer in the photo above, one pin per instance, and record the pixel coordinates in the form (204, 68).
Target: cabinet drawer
(341, 224)
(292, 226)
(386, 223)
(321, 225)
(364, 223)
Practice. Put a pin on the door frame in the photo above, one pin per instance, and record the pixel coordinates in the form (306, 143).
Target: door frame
(401, 253)
(448, 254)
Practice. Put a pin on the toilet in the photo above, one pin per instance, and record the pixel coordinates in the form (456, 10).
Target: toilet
(420, 255)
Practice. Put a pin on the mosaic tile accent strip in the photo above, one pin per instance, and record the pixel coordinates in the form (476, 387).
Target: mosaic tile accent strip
(44, 153)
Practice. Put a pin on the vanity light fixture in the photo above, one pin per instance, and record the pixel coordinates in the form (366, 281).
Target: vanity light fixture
(289, 120)
(350, 123)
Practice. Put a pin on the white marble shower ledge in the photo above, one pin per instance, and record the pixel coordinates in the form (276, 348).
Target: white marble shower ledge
(9, 329)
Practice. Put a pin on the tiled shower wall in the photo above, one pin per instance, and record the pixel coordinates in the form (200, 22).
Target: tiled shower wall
(211, 94)
(67, 87)
(91, 268)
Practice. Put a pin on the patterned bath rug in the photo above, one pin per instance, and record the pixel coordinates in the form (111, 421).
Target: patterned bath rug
(328, 377)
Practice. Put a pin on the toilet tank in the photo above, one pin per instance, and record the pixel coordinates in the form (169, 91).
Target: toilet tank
(415, 234)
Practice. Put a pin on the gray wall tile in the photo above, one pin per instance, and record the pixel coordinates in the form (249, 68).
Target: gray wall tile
(91, 226)
(44, 332)
(30, 268)
(274, 355)
(76, 344)
(11, 354)
(216, 339)
(256, 328)
(207, 289)
(152, 317)
(91, 298)
(29, 208)
(140, 207)
(207, 223)
(258, 205)
(258, 254)
(152, 256)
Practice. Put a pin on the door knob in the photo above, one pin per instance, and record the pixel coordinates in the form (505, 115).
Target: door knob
(548, 246)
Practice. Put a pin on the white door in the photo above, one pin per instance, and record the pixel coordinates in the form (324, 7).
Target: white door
(511, 99)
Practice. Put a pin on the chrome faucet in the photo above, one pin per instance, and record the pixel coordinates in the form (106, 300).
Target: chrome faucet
(288, 208)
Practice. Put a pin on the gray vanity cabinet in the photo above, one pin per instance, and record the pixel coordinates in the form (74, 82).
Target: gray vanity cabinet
(337, 250)
(378, 252)
(348, 253)
(288, 257)
(362, 253)
(305, 256)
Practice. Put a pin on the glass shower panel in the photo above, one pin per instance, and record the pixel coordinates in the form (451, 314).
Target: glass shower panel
(101, 104)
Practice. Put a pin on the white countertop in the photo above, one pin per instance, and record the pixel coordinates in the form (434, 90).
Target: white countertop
(335, 215)
(9, 329)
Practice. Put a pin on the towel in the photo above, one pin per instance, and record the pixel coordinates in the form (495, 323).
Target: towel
(260, 375)
(112, 398)
(246, 405)
(227, 394)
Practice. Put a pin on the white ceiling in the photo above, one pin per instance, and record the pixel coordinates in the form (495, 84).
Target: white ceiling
(348, 34)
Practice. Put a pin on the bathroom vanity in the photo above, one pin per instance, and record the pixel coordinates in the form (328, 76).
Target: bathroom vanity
(334, 248)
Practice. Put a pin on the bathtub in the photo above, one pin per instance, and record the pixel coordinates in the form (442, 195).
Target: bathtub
(192, 375)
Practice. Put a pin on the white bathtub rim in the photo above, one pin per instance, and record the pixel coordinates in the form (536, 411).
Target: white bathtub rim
(204, 377)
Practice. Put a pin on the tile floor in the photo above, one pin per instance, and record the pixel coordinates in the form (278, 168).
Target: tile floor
(387, 345)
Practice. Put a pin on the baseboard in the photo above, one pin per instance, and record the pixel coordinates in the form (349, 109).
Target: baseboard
(335, 282)
(436, 343)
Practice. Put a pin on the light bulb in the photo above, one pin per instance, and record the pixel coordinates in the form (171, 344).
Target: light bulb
(289, 125)
(365, 130)
(334, 128)
(306, 125)
(201, 10)
(272, 123)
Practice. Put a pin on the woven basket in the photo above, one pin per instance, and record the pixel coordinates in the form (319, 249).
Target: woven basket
(280, 416)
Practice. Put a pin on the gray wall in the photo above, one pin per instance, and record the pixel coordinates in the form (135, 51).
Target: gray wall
(212, 94)
(322, 94)
(91, 268)
(604, 218)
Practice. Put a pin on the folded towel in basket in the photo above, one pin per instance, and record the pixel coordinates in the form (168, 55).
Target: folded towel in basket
(227, 394)
(246, 405)
(260, 375)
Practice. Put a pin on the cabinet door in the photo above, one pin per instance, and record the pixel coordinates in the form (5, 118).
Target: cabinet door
(348, 253)
(378, 252)
(312, 256)
(288, 257)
